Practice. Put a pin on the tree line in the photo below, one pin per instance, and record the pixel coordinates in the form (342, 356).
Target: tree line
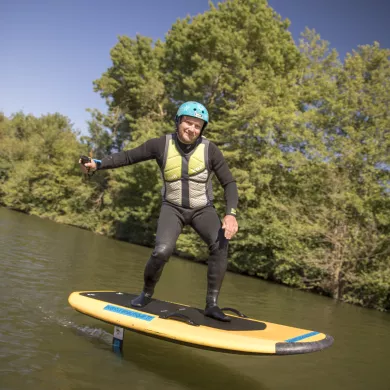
(306, 135)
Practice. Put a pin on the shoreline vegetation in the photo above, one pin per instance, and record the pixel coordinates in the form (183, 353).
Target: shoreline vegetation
(305, 134)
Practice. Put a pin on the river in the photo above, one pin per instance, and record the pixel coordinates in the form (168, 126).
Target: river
(45, 344)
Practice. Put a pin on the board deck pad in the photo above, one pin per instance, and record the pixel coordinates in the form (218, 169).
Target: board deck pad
(161, 308)
(188, 325)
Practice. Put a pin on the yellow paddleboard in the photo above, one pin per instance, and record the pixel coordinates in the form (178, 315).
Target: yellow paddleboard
(188, 325)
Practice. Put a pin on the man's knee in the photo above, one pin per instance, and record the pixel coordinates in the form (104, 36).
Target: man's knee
(162, 252)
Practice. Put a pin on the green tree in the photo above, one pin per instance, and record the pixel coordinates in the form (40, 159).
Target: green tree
(355, 218)
(135, 95)
(41, 176)
(220, 58)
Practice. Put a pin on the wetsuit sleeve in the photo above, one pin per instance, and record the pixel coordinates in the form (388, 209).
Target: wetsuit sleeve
(225, 177)
(149, 150)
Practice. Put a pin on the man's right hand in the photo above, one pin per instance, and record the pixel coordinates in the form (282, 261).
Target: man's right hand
(87, 167)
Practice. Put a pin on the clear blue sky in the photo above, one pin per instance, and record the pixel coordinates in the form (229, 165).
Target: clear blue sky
(52, 50)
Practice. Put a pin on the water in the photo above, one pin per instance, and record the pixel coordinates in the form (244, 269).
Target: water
(45, 344)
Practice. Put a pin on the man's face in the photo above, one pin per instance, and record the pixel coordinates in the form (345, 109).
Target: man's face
(190, 129)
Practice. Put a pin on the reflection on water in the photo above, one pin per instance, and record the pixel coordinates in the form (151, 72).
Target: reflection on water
(45, 344)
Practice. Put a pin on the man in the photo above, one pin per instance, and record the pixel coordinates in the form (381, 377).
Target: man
(187, 162)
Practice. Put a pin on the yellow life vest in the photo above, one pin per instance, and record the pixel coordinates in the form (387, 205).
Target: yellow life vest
(187, 177)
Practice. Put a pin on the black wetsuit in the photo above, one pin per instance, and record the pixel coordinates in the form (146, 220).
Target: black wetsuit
(204, 220)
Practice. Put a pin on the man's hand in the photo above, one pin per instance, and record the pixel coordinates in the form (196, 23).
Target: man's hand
(88, 166)
(230, 225)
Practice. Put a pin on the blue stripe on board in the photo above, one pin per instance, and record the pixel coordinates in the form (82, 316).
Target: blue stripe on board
(130, 313)
(303, 336)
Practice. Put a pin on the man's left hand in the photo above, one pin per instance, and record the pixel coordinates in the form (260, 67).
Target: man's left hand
(230, 225)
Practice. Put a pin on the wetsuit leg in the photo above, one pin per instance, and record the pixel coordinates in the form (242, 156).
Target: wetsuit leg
(208, 225)
(170, 225)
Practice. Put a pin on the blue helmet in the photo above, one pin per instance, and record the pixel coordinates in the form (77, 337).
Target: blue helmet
(195, 110)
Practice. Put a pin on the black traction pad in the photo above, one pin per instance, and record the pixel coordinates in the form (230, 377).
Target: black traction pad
(160, 308)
